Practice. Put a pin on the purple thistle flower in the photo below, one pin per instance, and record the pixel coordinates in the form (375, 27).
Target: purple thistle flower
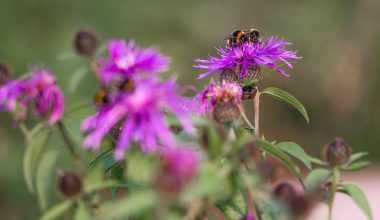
(40, 89)
(127, 59)
(142, 112)
(178, 167)
(206, 100)
(9, 93)
(248, 217)
(249, 55)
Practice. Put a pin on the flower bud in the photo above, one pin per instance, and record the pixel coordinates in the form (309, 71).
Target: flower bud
(337, 152)
(225, 112)
(5, 73)
(86, 42)
(70, 184)
(285, 192)
(249, 92)
(248, 217)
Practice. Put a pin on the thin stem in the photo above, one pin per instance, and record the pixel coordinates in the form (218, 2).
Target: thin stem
(256, 107)
(217, 213)
(246, 119)
(333, 188)
(95, 68)
(70, 145)
(24, 131)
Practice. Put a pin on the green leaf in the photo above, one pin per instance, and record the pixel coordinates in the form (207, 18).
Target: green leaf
(81, 212)
(117, 174)
(92, 187)
(135, 204)
(57, 210)
(357, 156)
(356, 166)
(288, 98)
(32, 155)
(45, 177)
(76, 78)
(280, 155)
(296, 151)
(214, 141)
(318, 161)
(316, 177)
(93, 178)
(359, 197)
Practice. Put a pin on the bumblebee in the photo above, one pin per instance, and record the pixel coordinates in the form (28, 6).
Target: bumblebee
(102, 98)
(126, 85)
(242, 36)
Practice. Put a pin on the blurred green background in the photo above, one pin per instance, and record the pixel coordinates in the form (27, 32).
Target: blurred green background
(337, 79)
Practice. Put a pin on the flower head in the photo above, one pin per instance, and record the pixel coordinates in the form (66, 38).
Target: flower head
(206, 100)
(127, 59)
(142, 114)
(246, 58)
(178, 167)
(40, 89)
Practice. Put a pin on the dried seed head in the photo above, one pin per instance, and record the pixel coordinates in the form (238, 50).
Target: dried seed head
(86, 42)
(5, 73)
(225, 112)
(249, 92)
(70, 184)
(337, 152)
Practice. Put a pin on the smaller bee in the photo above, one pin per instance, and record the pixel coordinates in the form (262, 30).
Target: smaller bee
(102, 98)
(126, 85)
(242, 36)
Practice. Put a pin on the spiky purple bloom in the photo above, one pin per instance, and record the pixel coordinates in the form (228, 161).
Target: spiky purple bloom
(9, 93)
(248, 55)
(40, 89)
(207, 99)
(127, 59)
(178, 167)
(142, 114)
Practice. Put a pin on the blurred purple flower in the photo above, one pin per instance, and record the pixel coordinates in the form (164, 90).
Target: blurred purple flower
(248, 217)
(10, 91)
(204, 101)
(179, 165)
(40, 89)
(142, 114)
(249, 55)
(127, 59)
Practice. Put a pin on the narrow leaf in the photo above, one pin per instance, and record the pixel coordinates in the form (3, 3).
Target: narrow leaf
(32, 155)
(359, 197)
(356, 166)
(57, 210)
(296, 151)
(45, 177)
(288, 98)
(280, 155)
(81, 212)
(357, 156)
(76, 78)
(318, 161)
(117, 174)
(316, 177)
(135, 204)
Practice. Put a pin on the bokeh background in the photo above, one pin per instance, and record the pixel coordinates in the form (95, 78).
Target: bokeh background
(338, 78)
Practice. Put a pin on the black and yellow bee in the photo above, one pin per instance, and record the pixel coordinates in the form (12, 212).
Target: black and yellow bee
(126, 85)
(243, 36)
(102, 98)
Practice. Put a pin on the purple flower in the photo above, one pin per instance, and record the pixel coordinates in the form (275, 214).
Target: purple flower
(206, 100)
(126, 59)
(178, 167)
(40, 89)
(249, 55)
(142, 114)
(248, 217)
(9, 93)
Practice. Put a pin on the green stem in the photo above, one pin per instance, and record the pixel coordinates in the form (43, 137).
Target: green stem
(256, 107)
(246, 119)
(24, 131)
(332, 190)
